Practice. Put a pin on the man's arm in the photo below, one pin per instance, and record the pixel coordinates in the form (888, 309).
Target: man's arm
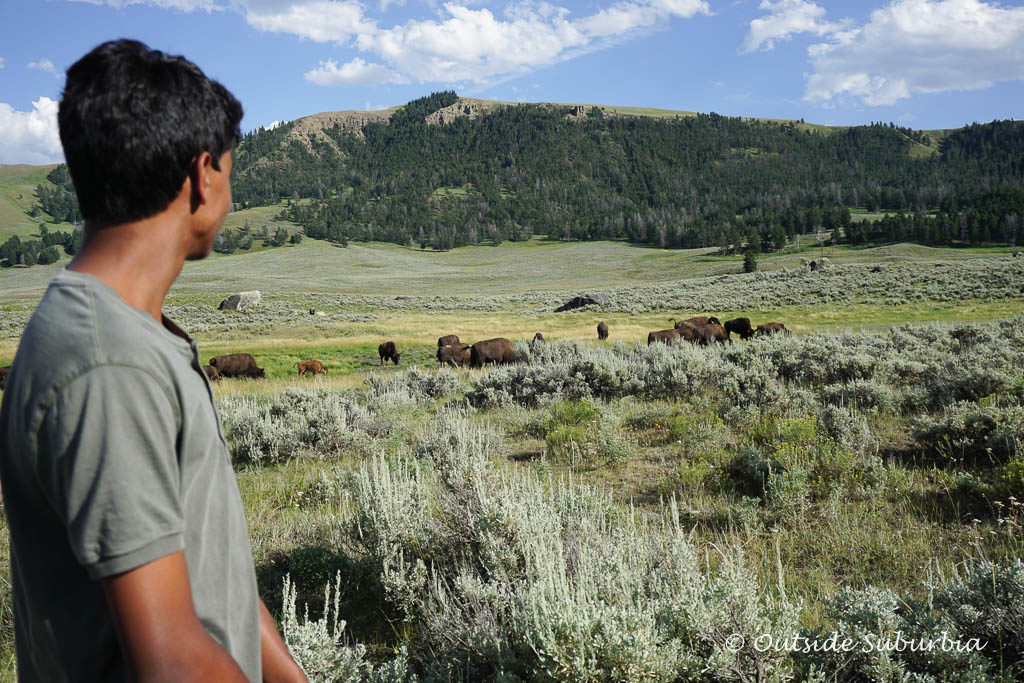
(278, 665)
(156, 621)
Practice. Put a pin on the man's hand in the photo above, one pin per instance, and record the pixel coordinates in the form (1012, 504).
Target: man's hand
(156, 621)
(278, 665)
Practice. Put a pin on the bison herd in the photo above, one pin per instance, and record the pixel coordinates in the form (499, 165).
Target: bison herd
(703, 330)
(707, 330)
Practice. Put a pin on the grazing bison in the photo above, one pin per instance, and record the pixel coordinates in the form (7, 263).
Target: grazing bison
(715, 333)
(4, 372)
(771, 328)
(699, 320)
(740, 326)
(238, 365)
(456, 355)
(663, 336)
(388, 351)
(695, 334)
(448, 340)
(313, 366)
(602, 330)
(211, 373)
(498, 351)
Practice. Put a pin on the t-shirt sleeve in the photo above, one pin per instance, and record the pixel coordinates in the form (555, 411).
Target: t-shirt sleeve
(109, 465)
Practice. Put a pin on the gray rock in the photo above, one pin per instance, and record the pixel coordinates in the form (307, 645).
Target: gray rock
(241, 301)
(823, 263)
(595, 299)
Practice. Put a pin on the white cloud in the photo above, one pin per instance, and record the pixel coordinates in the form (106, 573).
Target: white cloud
(44, 65)
(376, 107)
(919, 46)
(462, 44)
(30, 137)
(1, 62)
(356, 72)
(322, 21)
(474, 45)
(785, 18)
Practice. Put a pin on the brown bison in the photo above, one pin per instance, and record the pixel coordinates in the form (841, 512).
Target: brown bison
(238, 365)
(456, 355)
(448, 340)
(663, 336)
(312, 366)
(691, 333)
(699, 320)
(715, 333)
(771, 328)
(602, 330)
(212, 373)
(740, 326)
(498, 351)
(4, 372)
(388, 351)
(538, 337)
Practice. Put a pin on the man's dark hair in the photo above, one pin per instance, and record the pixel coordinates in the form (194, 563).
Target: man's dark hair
(132, 120)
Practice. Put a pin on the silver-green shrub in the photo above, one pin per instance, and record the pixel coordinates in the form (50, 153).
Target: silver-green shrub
(271, 429)
(505, 576)
(419, 383)
(320, 649)
(966, 430)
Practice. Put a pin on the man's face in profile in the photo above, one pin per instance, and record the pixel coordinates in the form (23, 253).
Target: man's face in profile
(215, 210)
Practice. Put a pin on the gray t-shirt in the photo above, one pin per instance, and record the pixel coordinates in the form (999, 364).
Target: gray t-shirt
(112, 456)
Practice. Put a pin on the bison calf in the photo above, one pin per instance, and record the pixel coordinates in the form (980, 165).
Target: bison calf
(211, 373)
(388, 351)
(602, 330)
(313, 366)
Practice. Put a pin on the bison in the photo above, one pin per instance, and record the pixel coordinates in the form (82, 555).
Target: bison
(699, 320)
(664, 336)
(498, 351)
(714, 333)
(602, 330)
(388, 351)
(740, 326)
(456, 355)
(211, 373)
(538, 337)
(4, 372)
(238, 365)
(312, 366)
(448, 340)
(771, 328)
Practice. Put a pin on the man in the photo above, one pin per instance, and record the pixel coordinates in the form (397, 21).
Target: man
(130, 555)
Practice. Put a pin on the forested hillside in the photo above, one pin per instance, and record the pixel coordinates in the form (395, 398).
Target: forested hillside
(581, 173)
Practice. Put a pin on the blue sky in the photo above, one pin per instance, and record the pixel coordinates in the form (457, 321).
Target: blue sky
(921, 63)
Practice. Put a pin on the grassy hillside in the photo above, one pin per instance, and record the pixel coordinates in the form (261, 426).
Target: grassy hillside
(316, 266)
(17, 196)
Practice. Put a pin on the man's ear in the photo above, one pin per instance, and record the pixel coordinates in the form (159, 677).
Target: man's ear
(199, 177)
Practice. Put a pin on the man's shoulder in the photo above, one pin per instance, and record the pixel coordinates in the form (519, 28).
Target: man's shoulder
(80, 326)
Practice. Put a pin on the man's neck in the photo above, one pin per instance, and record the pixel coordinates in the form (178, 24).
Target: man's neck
(138, 260)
